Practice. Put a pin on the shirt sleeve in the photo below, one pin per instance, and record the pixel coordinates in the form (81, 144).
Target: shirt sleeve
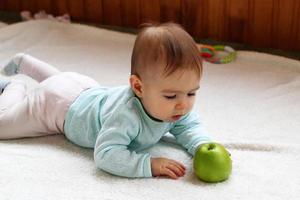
(189, 132)
(111, 151)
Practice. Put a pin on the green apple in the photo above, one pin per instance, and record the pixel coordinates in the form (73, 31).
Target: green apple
(212, 162)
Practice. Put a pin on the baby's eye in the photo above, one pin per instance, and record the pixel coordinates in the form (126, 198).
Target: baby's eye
(170, 97)
(191, 94)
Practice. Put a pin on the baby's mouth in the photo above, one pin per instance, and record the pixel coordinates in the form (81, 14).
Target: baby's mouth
(176, 117)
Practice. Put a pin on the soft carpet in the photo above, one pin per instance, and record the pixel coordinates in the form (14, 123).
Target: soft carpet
(251, 105)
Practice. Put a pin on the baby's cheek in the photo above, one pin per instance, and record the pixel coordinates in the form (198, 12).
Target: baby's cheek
(163, 109)
(192, 102)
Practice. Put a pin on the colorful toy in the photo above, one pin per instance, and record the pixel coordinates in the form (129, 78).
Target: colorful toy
(208, 52)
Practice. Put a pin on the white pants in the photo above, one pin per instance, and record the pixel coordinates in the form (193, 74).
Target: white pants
(42, 111)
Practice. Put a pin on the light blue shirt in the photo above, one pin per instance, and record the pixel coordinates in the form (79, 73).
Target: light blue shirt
(114, 123)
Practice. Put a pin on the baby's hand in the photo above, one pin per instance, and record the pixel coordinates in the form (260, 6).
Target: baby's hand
(167, 167)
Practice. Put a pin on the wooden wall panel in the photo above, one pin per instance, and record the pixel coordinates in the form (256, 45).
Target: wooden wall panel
(193, 17)
(45, 5)
(10, 5)
(283, 23)
(112, 12)
(215, 20)
(297, 29)
(76, 9)
(130, 13)
(93, 11)
(237, 20)
(261, 23)
(149, 11)
(170, 10)
(29, 5)
(1, 5)
(59, 7)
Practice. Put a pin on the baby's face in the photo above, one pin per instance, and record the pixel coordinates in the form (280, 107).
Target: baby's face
(169, 98)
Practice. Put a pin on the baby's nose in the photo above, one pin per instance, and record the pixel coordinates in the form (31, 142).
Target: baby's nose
(181, 105)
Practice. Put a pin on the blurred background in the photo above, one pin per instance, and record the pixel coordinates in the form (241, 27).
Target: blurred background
(271, 26)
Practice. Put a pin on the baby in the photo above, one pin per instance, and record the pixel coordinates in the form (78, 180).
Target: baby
(120, 122)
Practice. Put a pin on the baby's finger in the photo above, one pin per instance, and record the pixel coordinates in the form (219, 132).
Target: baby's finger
(170, 173)
(178, 164)
(181, 165)
(175, 169)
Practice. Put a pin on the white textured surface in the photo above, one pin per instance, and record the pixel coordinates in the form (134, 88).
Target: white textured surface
(251, 105)
(2, 24)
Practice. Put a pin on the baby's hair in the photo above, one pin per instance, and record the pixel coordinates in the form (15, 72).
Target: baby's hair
(166, 44)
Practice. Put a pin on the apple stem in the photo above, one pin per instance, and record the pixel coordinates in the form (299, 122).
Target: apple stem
(211, 146)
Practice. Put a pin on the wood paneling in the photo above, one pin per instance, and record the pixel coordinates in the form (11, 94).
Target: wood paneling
(295, 24)
(76, 9)
(297, 29)
(194, 15)
(45, 5)
(149, 11)
(93, 11)
(11, 5)
(112, 12)
(284, 20)
(237, 20)
(215, 19)
(170, 10)
(261, 31)
(130, 13)
(29, 5)
(260, 23)
(59, 7)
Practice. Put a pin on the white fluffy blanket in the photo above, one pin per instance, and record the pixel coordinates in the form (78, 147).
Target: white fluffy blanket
(251, 105)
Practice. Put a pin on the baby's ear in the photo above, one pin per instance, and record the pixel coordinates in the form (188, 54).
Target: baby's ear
(136, 85)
